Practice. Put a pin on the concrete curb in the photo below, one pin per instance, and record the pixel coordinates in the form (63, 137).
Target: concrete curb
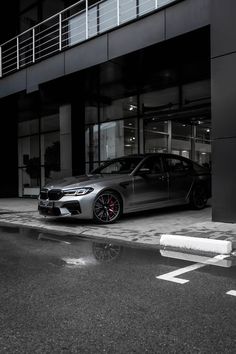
(87, 234)
(199, 242)
(196, 244)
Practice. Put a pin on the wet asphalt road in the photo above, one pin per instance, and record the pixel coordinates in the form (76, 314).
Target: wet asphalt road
(64, 297)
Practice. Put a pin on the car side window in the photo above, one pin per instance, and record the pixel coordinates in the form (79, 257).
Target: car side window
(154, 164)
(177, 165)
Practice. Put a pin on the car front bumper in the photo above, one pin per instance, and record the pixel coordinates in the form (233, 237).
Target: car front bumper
(81, 207)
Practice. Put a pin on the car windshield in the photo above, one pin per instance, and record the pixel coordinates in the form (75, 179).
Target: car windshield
(118, 166)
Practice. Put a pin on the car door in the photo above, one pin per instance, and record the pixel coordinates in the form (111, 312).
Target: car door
(150, 183)
(180, 173)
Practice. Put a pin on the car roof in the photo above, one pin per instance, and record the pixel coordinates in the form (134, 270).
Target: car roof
(165, 154)
(153, 154)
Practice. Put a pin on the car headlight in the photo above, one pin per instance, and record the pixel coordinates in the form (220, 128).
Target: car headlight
(77, 191)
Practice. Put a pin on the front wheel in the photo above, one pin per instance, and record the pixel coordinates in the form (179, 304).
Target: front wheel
(107, 207)
(198, 199)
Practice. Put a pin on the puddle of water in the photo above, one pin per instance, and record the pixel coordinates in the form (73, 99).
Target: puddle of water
(105, 252)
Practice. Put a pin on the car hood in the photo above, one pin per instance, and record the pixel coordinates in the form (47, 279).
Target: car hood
(84, 181)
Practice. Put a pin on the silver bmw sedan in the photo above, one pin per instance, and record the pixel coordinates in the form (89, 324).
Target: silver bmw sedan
(128, 184)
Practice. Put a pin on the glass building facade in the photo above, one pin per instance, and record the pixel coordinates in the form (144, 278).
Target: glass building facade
(148, 101)
(150, 122)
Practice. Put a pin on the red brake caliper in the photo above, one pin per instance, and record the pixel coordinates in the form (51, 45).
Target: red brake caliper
(111, 206)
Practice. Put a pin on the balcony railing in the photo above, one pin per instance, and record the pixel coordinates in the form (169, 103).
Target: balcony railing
(77, 23)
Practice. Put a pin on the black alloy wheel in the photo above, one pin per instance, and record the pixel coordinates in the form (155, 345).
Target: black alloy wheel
(198, 199)
(107, 207)
(106, 252)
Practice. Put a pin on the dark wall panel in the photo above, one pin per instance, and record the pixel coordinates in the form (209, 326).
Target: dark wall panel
(86, 54)
(137, 35)
(223, 181)
(186, 16)
(223, 27)
(223, 80)
(44, 71)
(13, 83)
(223, 70)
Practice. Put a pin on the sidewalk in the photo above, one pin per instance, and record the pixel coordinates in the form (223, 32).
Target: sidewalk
(147, 229)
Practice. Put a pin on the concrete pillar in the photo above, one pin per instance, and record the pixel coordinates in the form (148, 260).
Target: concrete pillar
(65, 140)
(223, 80)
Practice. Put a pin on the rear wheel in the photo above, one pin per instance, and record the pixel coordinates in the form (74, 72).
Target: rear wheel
(107, 207)
(198, 199)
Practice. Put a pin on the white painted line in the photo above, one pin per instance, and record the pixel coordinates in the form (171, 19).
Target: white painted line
(196, 243)
(231, 292)
(171, 276)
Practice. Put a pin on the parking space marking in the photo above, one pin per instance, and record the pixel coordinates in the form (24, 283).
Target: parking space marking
(231, 292)
(171, 276)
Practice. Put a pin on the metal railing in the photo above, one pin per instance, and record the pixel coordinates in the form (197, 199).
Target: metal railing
(75, 24)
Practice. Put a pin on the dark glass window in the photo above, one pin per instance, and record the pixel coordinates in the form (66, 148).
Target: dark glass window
(153, 164)
(177, 165)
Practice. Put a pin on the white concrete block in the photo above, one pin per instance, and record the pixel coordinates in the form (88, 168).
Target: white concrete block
(196, 243)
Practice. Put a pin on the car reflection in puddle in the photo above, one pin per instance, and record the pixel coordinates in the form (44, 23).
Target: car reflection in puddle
(102, 251)
(106, 252)
(84, 251)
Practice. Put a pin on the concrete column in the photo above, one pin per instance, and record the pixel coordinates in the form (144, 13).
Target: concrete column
(65, 140)
(223, 71)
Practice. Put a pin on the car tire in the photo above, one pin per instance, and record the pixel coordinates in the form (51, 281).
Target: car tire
(198, 198)
(107, 207)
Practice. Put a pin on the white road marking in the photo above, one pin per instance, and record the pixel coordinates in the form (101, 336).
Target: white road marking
(231, 292)
(171, 276)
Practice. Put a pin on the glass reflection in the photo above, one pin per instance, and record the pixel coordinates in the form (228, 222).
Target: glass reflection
(155, 136)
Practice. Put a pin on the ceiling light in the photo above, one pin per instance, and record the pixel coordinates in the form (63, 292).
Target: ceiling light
(132, 107)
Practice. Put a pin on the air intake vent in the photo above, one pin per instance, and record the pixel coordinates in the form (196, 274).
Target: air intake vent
(55, 194)
(44, 194)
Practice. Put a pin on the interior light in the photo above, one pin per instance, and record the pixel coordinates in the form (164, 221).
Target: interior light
(132, 107)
